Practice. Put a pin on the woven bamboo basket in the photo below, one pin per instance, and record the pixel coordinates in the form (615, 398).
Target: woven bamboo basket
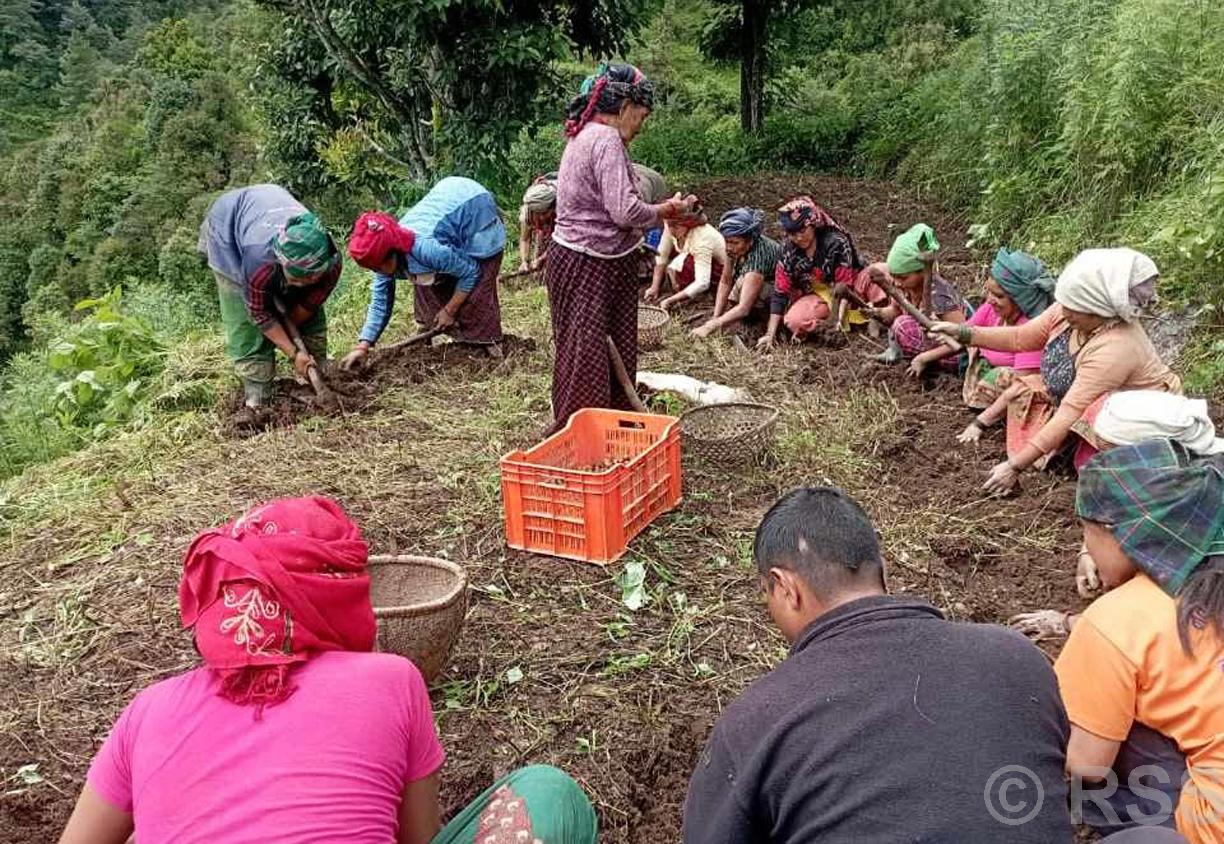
(730, 433)
(420, 604)
(651, 322)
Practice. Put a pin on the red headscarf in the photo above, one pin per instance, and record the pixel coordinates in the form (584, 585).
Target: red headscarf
(375, 235)
(285, 581)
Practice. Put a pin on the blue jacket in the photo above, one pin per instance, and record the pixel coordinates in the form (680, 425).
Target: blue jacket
(457, 226)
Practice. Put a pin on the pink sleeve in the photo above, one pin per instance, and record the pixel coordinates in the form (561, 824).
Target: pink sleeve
(110, 773)
(425, 754)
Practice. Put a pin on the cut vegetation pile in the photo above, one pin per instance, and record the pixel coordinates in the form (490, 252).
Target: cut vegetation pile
(612, 674)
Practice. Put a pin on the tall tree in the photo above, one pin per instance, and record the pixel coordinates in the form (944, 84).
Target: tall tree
(428, 86)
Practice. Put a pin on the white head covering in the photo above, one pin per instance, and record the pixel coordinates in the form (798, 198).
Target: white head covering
(540, 196)
(1132, 416)
(1099, 281)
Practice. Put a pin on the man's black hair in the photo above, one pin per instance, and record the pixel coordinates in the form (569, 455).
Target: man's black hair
(825, 537)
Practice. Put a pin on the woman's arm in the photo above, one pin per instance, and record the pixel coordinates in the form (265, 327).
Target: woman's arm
(1030, 337)
(1090, 757)
(703, 251)
(95, 821)
(419, 813)
(724, 290)
(382, 304)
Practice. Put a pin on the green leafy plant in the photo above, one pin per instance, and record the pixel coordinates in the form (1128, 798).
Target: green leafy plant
(105, 366)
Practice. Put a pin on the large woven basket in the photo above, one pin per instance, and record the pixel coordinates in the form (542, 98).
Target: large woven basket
(736, 432)
(420, 604)
(651, 322)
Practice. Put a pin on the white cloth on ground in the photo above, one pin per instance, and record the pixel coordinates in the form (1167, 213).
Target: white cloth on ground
(693, 389)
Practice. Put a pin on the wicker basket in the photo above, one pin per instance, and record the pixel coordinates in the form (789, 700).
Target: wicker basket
(651, 322)
(420, 604)
(729, 433)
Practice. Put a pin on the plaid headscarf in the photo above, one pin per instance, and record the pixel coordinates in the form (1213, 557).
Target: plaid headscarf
(604, 91)
(303, 247)
(1164, 505)
(1025, 279)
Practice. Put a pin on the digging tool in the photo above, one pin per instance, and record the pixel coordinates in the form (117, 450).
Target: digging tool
(518, 274)
(312, 372)
(925, 321)
(423, 337)
(622, 376)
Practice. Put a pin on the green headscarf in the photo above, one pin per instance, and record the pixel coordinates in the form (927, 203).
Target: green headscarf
(303, 247)
(1025, 279)
(907, 250)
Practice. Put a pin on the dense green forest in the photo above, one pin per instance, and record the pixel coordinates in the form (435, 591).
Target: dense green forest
(1054, 124)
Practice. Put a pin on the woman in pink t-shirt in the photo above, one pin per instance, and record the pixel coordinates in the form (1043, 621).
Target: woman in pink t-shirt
(294, 730)
(1019, 288)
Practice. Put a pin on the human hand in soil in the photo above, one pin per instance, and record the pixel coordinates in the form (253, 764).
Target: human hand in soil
(1042, 624)
(525, 266)
(356, 359)
(1087, 580)
(971, 434)
(302, 361)
(444, 320)
(651, 295)
(917, 366)
(766, 343)
(705, 329)
(1003, 478)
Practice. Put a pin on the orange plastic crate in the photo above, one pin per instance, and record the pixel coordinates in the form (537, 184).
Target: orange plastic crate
(560, 499)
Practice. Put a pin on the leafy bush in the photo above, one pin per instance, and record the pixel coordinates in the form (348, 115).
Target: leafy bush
(104, 366)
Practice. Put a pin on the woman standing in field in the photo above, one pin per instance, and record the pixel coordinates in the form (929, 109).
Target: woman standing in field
(592, 263)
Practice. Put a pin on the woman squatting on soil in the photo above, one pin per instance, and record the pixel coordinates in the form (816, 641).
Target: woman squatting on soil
(450, 246)
(269, 253)
(1018, 289)
(819, 253)
(591, 269)
(1091, 345)
(294, 729)
(700, 256)
(747, 282)
(1140, 673)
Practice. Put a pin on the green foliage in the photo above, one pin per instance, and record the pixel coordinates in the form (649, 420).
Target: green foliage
(104, 367)
(363, 94)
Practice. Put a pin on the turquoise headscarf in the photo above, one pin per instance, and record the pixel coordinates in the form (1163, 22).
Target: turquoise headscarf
(1025, 279)
(908, 250)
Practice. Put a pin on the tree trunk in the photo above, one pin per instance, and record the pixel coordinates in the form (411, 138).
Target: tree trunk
(752, 64)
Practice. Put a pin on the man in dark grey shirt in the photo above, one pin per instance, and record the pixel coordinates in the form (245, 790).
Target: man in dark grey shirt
(886, 722)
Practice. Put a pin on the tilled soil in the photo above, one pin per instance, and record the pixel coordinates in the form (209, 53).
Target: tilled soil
(620, 699)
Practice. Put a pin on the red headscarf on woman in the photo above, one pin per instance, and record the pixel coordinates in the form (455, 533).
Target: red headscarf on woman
(375, 235)
(285, 581)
